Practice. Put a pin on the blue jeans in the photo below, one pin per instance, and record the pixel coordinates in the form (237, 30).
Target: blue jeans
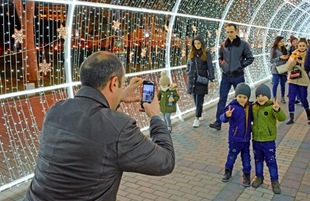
(167, 118)
(293, 90)
(198, 99)
(276, 78)
(233, 151)
(265, 151)
(225, 86)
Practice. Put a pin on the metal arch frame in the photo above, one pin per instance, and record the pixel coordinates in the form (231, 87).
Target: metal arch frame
(168, 38)
(67, 49)
(298, 7)
(285, 21)
(294, 25)
(294, 10)
(302, 25)
(307, 20)
(167, 56)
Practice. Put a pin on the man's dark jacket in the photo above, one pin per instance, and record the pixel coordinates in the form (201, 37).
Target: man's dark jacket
(235, 56)
(85, 147)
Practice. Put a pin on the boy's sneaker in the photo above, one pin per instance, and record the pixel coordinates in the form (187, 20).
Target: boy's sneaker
(257, 182)
(276, 187)
(170, 129)
(196, 123)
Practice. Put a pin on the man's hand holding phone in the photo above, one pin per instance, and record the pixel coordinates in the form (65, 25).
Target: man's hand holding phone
(149, 101)
(152, 109)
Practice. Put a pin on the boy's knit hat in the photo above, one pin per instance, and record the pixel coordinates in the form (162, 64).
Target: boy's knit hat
(263, 89)
(243, 89)
(164, 79)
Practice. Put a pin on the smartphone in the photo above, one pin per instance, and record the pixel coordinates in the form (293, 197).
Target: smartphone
(148, 91)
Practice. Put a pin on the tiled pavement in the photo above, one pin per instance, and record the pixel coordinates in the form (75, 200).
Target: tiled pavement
(200, 158)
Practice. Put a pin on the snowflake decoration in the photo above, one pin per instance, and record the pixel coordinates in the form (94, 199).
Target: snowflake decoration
(194, 28)
(143, 52)
(166, 28)
(183, 53)
(45, 67)
(62, 32)
(18, 36)
(131, 56)
(209, 33)
(116, 25)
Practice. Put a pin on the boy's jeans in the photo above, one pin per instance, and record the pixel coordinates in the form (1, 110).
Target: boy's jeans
(234, 149)
(267, 151)
(167, 118)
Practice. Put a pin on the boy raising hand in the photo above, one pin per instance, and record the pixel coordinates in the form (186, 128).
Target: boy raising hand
(266, 113)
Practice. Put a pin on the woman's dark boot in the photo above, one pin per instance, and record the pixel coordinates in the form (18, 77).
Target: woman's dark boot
(291, 121)
(308, 113)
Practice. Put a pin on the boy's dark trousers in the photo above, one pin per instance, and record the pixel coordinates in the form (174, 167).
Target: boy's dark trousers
(234, 149)
(265, 150)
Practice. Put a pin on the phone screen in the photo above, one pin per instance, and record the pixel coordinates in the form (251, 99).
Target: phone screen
(148, 91)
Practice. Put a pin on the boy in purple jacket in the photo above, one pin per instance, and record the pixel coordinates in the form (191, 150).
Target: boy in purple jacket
(239, 115)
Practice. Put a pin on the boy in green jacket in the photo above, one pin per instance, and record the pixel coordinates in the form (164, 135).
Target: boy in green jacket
(168, 97)
(266, 113)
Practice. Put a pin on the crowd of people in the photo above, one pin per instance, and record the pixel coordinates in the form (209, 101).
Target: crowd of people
(86, 144)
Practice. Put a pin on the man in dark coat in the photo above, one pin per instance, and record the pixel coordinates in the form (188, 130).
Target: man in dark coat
(235, 54)
(86, 144)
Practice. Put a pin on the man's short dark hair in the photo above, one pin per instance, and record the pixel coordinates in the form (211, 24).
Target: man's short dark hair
(99, 68)
(232, 25)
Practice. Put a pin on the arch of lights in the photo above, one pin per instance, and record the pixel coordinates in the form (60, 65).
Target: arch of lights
(148, 36)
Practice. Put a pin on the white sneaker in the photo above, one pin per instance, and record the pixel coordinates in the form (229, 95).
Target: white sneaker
(196, 123)
(201, 118)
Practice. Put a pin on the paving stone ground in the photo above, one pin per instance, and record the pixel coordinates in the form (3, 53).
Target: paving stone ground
(200, 159)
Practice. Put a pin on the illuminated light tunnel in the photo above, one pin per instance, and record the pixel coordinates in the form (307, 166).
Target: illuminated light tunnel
(43, 43)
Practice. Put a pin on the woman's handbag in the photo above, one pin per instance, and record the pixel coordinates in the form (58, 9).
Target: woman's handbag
(201, 79)
(281, 69)
(295, 73)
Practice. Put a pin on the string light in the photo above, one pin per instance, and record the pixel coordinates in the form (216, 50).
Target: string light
(136, 31)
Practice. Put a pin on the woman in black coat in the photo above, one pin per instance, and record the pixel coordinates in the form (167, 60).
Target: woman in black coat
(199, 62)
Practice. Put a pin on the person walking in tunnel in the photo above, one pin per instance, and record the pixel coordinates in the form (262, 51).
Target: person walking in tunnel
(199, 64)
(298, 84)
(291, 49)
(234, 55)
(278, 57)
